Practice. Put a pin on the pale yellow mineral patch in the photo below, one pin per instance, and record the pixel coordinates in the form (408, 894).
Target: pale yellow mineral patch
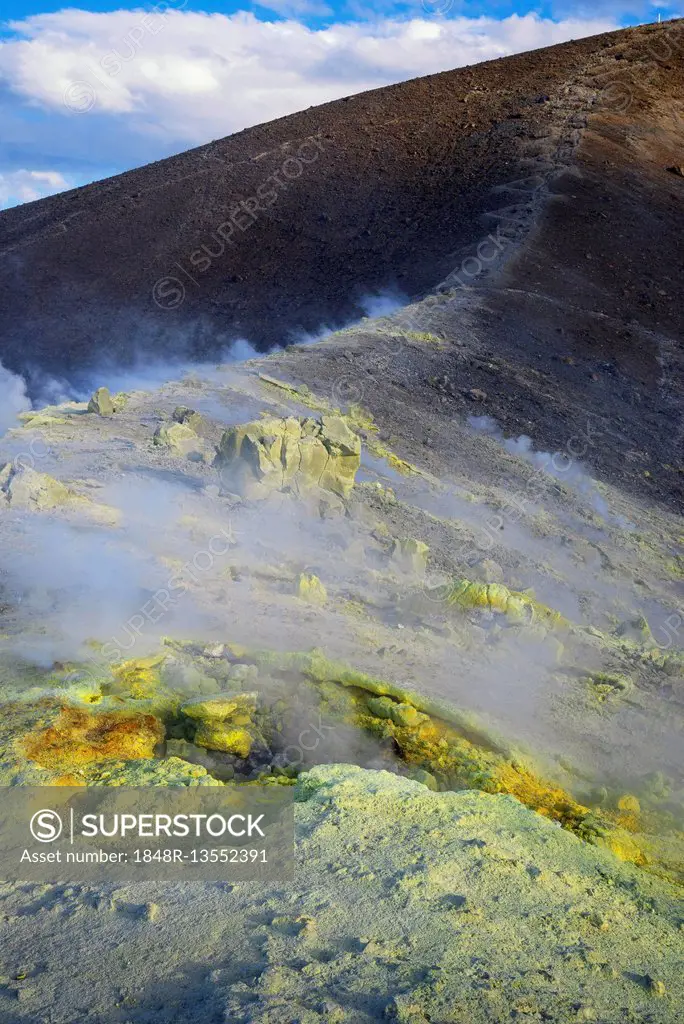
(224, 722)
(101, 403)
(289, 454)
(25, 488)
(180, 438)
(310, 589)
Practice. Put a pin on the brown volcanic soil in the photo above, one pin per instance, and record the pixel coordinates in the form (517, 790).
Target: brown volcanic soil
(560, 155)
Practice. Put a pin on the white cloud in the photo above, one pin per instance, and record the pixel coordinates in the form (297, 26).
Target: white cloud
(24, 186)
(195, 76)
(155, 83)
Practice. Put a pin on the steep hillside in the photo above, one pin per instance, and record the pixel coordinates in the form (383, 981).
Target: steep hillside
(559, 167)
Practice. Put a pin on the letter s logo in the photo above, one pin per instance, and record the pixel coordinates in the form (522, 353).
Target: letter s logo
(46, 826)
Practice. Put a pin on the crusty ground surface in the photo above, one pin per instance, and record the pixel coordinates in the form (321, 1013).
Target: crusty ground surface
(411, 906)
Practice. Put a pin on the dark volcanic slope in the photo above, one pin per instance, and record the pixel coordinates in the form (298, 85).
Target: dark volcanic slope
(391, 187)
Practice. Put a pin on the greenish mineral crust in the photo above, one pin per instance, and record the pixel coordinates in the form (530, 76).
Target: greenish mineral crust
(605, 685)
(317, 667)
(495, 597)
(172, 771)
(463, 908)
(404, 715)
(219, 708)
(310, 589)
(457, 751)
(289, 454)
(225, 723)
(232, 712)
(408, 905)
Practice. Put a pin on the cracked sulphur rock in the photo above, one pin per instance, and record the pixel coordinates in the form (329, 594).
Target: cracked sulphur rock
(289, 454)
(401, 714)
(180, 438)
(410, 554)
(225, 722)
(184, 434)
(190, 418)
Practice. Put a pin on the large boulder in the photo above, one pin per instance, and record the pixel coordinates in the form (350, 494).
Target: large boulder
(289, 454)
(101, 403)
(190, 418)
(310, 589)
(178, 437)
(184, 434)
(25, 488)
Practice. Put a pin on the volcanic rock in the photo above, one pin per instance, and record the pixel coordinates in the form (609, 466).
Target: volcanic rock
(101, 403)
(289, 454)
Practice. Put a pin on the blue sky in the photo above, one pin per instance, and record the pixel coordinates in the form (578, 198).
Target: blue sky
(325, 12)
(102, 86)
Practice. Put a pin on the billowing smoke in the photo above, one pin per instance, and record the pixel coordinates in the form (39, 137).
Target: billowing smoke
(81, 583)
(13, 399)
(374, 305)
(383, 303)
(560, 465)
(144, 373)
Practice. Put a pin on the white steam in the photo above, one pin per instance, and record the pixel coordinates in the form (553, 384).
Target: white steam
(559, 465)
(148, 372)
(383, 303)
(13, 398)
(374, 305)
(145, 373)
